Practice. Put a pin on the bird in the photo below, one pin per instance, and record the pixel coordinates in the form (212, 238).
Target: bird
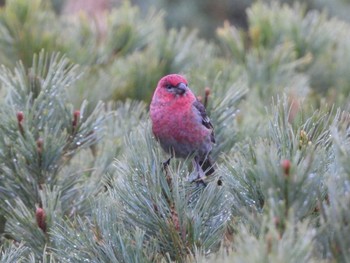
(181, 125)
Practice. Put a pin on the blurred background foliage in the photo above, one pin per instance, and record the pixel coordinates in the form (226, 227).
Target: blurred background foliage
(80, 173)
(301, 47)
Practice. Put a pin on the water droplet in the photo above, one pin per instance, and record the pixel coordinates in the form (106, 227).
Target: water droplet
(312, 175)
(78, 143)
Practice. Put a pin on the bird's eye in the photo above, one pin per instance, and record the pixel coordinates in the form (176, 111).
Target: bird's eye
(169, 87)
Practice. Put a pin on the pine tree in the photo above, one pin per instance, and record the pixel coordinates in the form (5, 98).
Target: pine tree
(82, 177)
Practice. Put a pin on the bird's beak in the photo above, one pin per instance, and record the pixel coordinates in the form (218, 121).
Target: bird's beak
(181, 88)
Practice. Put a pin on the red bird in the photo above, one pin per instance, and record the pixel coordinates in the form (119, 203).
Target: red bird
(180, 123)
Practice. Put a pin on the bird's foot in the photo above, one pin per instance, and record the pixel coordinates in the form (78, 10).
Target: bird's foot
(193, 178)
(200, 181)
(198, 175)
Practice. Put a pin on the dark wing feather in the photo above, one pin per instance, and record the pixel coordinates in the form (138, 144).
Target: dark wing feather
(205, 119)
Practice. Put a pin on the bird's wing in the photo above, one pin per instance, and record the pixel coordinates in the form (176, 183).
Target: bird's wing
(205, 119)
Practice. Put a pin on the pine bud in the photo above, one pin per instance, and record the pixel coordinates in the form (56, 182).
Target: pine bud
(207, 94)
(41, 218)
(286, 167)
(304, 139)
(76, 117)
(207, 91)
(39, 145)
(20, 118)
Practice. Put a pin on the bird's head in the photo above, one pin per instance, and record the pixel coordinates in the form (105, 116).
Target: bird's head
(172, 89)
(173, 84)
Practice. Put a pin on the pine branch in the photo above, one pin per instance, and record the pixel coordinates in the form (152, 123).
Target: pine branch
(284, 172)
(178, 215)
(15, 253)
(223, 111)
(100, 238)
(334, 209)
(41, 137)
(269, 246)
(40, 141)
(25, 29)
(22, 225)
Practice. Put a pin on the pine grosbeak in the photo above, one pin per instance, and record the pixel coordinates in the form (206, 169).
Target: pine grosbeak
(180, 123)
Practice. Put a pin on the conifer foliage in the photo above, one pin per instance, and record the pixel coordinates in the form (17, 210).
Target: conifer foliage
(82, 178)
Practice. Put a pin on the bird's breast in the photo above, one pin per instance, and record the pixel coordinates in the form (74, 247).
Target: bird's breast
(176, 127)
